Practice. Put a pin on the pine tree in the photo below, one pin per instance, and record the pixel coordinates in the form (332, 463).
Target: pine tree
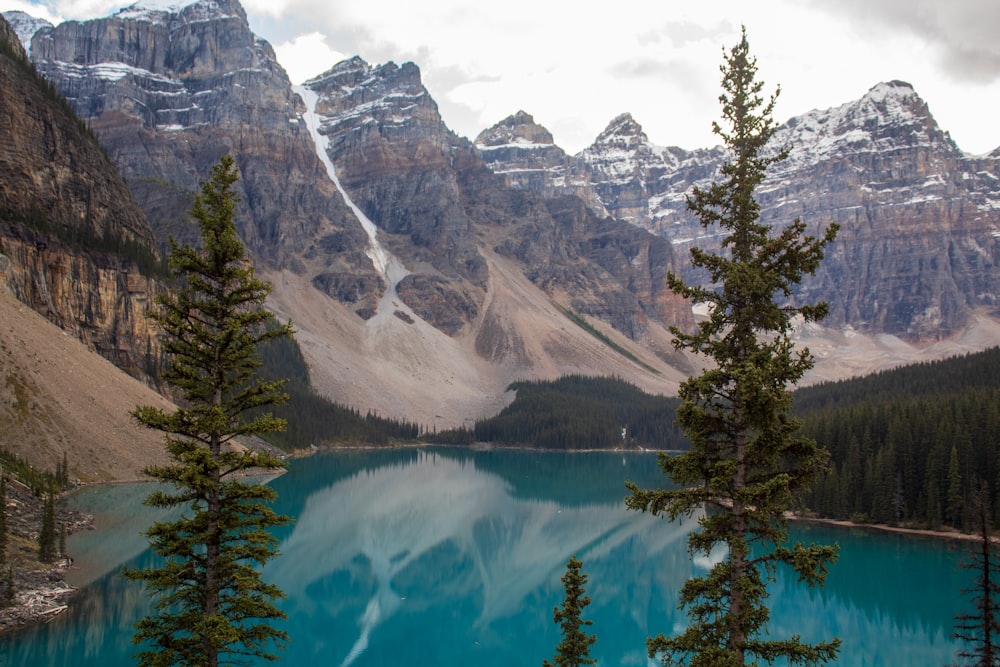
(47, 534)
(211, 603)
(981, 628)
(746, 464)
(955, 497)
(3, 520)
(574, 649)
(62, 540)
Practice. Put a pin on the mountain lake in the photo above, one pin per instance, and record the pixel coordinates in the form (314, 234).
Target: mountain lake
(448, 557)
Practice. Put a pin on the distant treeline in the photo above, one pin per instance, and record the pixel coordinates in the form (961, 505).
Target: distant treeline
(39, 481)
(314, 419)
(577, 412)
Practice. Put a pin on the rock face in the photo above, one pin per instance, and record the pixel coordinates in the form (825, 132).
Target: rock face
(918, 247)
(169, 92)
(433, 195)
(65, 216)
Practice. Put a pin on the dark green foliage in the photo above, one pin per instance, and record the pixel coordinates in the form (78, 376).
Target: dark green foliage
(910, 445)
(577, 412)
(62, 540)
(62, 472)
(574, 649)
(3, 520)
(211, 603)
(82, 237)
(747, 463)
(47, 551)
(981, 629)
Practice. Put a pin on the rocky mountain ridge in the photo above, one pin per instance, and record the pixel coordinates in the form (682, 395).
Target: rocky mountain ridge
(168, 92)
(918, 247)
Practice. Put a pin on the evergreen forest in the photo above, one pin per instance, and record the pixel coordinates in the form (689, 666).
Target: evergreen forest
(908, 446)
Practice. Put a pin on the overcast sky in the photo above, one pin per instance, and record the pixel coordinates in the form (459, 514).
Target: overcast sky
(574, 65)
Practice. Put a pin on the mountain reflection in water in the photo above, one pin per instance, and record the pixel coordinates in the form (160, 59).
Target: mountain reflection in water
(444, 557)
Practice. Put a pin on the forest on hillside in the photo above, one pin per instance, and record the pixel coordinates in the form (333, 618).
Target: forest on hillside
(910, 445)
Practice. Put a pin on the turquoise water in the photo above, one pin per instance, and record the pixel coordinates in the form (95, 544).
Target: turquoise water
(447, 557)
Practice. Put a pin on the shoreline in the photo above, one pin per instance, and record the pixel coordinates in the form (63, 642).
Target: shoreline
(953, 535)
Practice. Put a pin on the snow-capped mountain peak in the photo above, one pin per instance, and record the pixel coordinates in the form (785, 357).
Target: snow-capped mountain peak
(889, 114)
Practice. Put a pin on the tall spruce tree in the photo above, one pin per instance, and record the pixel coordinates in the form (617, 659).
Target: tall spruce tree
(574, 649)
(3, 519)
(746, 463)
(47, 533)
(211, 604)
(980, 629)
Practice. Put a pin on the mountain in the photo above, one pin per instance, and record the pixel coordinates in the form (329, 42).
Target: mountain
(70, 237)
(419, 282)
(65, 217)
(524, 152)
(917, 252)
(424, 272)
(25, 26)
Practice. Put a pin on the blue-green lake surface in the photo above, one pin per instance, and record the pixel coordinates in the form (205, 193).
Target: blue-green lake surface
(448, 557)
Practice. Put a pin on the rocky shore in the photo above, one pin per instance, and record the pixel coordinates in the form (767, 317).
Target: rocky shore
(40, 589)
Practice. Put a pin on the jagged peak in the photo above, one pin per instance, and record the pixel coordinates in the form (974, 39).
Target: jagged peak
(874, 120)
(519, 128)
(623, 127)
(887, 89)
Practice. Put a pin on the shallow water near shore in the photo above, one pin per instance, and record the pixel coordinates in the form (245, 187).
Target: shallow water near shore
(441, 556)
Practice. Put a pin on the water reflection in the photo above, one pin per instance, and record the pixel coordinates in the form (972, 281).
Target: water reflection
(449, 557)
(406, 535)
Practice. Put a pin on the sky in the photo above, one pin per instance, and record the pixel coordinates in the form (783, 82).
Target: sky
(574, 65)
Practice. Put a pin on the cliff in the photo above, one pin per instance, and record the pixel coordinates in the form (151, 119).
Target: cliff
(72, 238)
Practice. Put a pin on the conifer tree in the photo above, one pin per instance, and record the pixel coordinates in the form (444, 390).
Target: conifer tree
(3, 520)
(980, 629)
(954, 489)
(47, 534)
(746, 463)
(574, 649)
(211, 604)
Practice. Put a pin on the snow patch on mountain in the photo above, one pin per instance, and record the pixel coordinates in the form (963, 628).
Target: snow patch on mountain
(388, 266)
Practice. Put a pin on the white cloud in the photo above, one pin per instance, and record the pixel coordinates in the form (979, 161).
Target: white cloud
(302, 55)
(575, 66)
